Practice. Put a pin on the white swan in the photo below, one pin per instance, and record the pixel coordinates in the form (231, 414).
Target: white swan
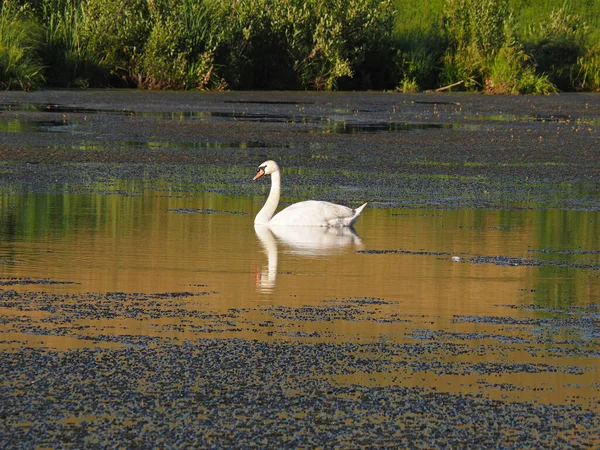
(311, 213)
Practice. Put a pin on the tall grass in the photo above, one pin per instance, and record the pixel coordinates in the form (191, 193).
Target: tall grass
(557, 42)
(93, 43)
(589, 69)
(259, 48)
(407, 45)
(312, 44)
(418, 58)
(181, 46)
(20, 45)
(70, 60)
(511, 72)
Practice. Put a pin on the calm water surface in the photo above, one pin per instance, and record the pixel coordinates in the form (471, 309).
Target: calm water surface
(505, 283)
(138, 302)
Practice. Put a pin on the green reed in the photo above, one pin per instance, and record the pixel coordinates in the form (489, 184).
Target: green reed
(93, 43)
(20, 45)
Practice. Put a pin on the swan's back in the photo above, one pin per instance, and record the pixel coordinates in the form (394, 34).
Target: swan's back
(315, 213)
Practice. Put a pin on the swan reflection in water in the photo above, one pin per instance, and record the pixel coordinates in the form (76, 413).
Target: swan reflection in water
(302, 241)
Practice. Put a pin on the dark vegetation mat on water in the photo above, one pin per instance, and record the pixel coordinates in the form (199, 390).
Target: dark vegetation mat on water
(499, 260)
(440, 151)
(160, 390)
(238, 393)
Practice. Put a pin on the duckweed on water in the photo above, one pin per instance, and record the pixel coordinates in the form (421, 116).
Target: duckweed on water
(239, 392)
(212, 394)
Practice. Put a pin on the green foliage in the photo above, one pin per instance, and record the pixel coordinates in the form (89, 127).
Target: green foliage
(408, 86)
(327, 61)
(510, 73)
(256, 51)
(476, 31)
(20, 42)
(477, 27)
(589, 69)
(180, 51)
(268, 44)
(407, 45)
(116, 32)
(70, 60)
(92, 43)
(311, 44)
(484, 52)
(373, 45)
(531, 12)
(556, 44)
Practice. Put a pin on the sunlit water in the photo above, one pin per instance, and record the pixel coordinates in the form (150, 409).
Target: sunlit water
(516, 287)
(140, 305)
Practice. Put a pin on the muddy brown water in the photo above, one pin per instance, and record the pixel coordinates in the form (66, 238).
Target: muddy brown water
(140, 306)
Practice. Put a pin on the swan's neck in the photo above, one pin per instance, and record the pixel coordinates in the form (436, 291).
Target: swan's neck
(264, 215)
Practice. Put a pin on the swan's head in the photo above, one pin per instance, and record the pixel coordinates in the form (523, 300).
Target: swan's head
(266, 168)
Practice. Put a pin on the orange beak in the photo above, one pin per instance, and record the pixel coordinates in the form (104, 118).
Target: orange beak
(259, 174)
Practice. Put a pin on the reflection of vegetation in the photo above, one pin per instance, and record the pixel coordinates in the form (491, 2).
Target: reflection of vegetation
(556, 236)
(508, 46)
(14, 126)
(572, 237)
(27, 216)
(116, 207)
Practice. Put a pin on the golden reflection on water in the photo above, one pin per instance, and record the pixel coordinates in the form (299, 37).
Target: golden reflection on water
(307, 242)
(395, 273)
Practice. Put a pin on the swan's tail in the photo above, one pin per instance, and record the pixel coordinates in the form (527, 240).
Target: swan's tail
(357, 213)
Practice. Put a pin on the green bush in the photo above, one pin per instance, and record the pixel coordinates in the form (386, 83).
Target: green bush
(93, 43)
(368, 44)
(476, 31)
(117, 32)
(511, 73)
(256, 49)
(309, 44)
(321, 44)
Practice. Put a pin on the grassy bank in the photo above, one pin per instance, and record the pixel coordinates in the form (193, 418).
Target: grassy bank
(516, 46)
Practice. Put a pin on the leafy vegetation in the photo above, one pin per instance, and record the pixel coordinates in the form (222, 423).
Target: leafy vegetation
(406, 45)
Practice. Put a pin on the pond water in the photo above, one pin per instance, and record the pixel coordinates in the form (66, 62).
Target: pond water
(496, 301)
